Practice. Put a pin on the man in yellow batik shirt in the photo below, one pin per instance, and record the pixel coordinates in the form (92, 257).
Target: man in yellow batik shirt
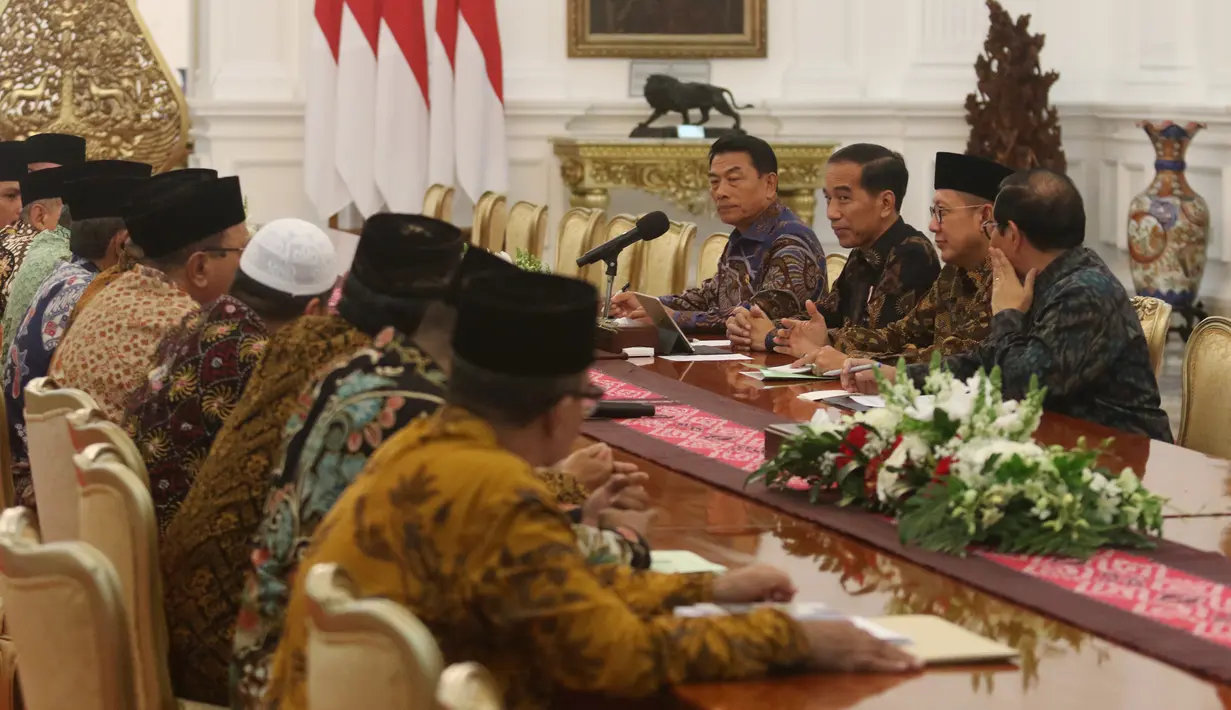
(450, 521)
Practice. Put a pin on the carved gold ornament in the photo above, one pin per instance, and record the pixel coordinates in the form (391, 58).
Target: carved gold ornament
(90, 68)
(678, 171)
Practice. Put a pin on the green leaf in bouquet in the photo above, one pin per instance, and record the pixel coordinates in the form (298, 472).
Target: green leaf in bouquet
(928, 521)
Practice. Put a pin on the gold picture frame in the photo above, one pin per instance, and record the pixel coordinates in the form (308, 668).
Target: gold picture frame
(592, 35)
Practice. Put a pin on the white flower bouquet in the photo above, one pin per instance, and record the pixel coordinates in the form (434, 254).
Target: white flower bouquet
(958, 466)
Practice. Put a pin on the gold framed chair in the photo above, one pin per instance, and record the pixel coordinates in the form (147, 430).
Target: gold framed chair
(51, 455)
(626, 263)
(438, 202)
(65, 614)
(580, 230)
(491, 214)
(526, 229)
(834, 263)
(1155, 317)
(660, 266)
(375, 654)
(711, 251)
(1206, 387)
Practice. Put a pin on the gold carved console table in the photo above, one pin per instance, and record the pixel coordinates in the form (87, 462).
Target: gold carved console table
(677, 170)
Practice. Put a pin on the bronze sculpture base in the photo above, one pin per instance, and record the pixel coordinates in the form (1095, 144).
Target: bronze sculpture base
(670, 132)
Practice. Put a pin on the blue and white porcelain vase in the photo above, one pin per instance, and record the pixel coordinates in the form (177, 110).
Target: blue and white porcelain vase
(1168, 223)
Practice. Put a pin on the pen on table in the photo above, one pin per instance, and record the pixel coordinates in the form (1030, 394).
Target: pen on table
(857, 368)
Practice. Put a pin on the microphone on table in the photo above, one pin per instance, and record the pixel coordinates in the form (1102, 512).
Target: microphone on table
(651, 226)
(608, 409)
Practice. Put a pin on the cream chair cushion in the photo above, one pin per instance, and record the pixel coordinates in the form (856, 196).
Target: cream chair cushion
(1155, 317)
(490, 216)
(661, 265)
(438, 202)
(375, 654)
(526, 230)
(51, 455)
(66, 617)
(1205, 422)
(626, 262)
(834, 263)
(711, 252)
(580, 231)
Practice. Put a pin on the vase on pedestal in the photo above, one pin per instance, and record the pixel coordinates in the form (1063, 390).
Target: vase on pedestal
(1168, 224)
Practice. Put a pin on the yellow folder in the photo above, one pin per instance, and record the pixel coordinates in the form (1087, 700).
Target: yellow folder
(936, 641)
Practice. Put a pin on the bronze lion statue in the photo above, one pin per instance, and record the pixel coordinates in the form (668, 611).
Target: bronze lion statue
(666, 94)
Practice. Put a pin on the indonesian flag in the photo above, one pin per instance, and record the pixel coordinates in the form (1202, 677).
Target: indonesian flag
(442, 47)
(482, 160)
(355, 146)
(402, 118)
(321, 179)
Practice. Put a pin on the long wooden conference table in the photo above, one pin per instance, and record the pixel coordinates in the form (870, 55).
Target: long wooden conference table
(1061, 665)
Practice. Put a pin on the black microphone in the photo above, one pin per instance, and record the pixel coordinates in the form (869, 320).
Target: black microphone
(651, 226)
(607, 409)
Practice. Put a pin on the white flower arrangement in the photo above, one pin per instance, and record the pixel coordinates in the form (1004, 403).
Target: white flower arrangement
(959, 466)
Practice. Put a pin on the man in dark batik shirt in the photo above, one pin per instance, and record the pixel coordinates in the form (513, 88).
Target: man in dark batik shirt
(955, 314)
(772, 260)
(1070, 322)
(891, 264)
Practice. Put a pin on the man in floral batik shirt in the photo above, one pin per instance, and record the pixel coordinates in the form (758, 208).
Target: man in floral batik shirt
(204, 365)
(339, 422)
(772, 259)
(955, 314)
(451, 523)
(1058, 313)
(94, 242)
(51, 246)
(12, 170)
(190, 243)
(890, 265)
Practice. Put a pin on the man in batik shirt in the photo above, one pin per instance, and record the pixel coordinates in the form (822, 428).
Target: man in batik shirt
(772, 259)
(1058, 313)
(12, 170)
(43, 152)
(97, 233)
(451, 522)
(51, 247)
(890, 266)
(190, 244)
(339, 421)
(953, 317)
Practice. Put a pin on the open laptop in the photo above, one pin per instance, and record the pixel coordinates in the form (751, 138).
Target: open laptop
(671, 340)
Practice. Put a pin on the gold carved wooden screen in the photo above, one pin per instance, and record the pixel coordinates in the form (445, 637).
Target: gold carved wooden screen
(92, 69)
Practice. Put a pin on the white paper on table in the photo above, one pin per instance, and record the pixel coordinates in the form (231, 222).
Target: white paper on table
(822, 394)
(624, 321)
(879, 631)
(800, 611)
(705, 358)
(712, 343)
(868, 400)
(639, 352)
(682, 562)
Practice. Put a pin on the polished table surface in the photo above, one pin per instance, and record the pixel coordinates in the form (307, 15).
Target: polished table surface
(1061, 666)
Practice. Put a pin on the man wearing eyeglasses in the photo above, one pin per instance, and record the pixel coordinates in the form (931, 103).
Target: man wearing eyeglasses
(953, 316)
(891, 264)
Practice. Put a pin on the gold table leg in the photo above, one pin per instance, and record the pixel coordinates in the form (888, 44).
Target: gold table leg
(802, 202)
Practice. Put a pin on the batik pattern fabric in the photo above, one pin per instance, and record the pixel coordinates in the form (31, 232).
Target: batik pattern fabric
(110, 351)
(202, 369)
(107, 277)
(337, 424)
(29, 357)
(206, 544)
(14, 242)
(46, 250)
(777, 264)
(1081, 337)
(953, 317)
(881, 283)
(459, 531)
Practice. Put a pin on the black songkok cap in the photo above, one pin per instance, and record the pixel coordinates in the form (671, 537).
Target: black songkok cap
(98, 197)
(187, 215)
(407, 255)
(545, 324)
(44, 184)
(160, 186)
(58, 148)
(966, 173)
(476, 262)
(110, 168)
(12, 161)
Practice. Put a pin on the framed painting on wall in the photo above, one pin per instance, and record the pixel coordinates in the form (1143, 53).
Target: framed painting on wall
(676, 29)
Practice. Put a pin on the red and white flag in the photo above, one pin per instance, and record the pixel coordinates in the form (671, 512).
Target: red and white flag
(321, 179)
(442, 46)
(402, 117)
(355, 147)
(482, 158)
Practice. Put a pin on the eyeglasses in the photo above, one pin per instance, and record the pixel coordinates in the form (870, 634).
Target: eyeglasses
(589, 397)
(938, 213)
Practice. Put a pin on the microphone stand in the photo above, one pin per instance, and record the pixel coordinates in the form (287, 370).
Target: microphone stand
(613, 264)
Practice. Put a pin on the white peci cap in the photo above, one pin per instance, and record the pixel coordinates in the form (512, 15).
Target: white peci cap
(291, 256)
